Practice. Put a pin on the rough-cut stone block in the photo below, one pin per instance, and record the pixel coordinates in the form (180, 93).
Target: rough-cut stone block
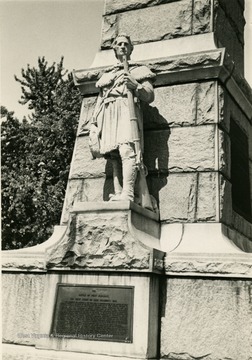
(197, 313)
(222, 120)
(168, 109)
(97, 189)
(87, 108)
(233, 111)
(177, 200)
(192, 148)
(227, 37)
(155, 183)
(109, 30)
(224, 154)
(115, 6)
(242, 242)
(22, 296)
(242, 225)
(181, 149)
(228, 215)
(82, 165)
(234, 13)
(198, 106)
(225, 201)
(206, 197)
(187, 197)
(73, 193)
(206, 103)
(153, 116)
(178, 23)
(201, 16)
(102, 241)
(81, 187)
(156, 153)
(109, 235)
(225, 109)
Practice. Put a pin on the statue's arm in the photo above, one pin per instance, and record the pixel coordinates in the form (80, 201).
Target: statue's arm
(97, 108)
(145, 91)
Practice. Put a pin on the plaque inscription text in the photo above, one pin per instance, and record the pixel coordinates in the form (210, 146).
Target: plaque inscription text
(90, 312)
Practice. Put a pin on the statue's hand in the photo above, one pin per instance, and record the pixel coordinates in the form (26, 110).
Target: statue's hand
(130, 82)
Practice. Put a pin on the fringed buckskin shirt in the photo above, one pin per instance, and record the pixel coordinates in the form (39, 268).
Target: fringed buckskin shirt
(111, 114)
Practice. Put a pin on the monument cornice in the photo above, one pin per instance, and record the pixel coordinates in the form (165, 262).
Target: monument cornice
(183, 68)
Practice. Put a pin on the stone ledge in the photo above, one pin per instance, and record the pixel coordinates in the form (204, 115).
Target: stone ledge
(20, 352)
(113, 206)
(202, 238)
(32, 258)
(187, 356)
(208, 265)
(85, 79)
(178, 69)
(161, 49)
(204, 250)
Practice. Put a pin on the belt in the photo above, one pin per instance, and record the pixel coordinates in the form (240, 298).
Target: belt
(111, 99)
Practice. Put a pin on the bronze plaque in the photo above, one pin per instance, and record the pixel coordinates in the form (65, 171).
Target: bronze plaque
(94, 312)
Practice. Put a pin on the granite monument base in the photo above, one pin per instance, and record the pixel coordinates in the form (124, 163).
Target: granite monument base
(102, 284)
(113, 314)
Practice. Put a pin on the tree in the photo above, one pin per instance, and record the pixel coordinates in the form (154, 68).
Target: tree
(12, 144)
(36, 155)
(39, 86)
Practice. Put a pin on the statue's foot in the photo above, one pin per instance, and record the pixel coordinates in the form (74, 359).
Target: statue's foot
(112, 196)
(121, 197)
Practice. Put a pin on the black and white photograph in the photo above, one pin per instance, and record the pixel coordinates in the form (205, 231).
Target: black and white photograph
(126, 179)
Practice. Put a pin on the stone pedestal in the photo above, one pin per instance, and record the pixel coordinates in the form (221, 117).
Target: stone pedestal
(107, 244)
(104, 245)
(107, 236)
(145, 315)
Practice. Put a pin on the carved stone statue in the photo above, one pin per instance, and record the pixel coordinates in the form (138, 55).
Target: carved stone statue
(118, 121)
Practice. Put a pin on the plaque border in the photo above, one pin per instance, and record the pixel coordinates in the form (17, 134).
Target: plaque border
(58, 285)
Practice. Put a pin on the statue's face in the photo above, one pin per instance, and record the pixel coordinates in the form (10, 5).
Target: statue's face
(122, 47)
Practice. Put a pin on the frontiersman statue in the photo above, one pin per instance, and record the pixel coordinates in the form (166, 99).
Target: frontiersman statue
(118, 121)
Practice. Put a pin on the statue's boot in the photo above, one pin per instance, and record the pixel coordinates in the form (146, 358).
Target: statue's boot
(129, 178)
(116, 178)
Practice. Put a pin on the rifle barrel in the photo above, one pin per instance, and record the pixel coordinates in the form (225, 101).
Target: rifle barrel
(133, 117)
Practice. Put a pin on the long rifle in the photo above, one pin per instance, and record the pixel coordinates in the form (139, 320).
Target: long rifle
(133, 117)
(143, 188)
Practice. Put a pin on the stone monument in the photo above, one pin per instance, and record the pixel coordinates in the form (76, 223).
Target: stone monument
(119, 279)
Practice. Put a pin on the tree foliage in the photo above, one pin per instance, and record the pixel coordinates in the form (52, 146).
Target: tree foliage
(39, 86)
(36, 154)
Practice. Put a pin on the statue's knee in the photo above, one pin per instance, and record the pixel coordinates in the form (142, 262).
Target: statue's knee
(127, 151)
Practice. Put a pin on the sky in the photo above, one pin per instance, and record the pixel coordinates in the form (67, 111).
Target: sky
(55, 28)
(33, 28)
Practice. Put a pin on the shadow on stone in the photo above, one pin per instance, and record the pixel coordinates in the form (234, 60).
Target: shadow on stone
(156, 149)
